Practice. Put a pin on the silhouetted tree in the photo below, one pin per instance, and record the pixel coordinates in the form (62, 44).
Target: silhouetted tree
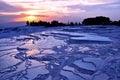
(54, 23)
(43, 23)
(34, 23)
(119, 22)
(76, 24)
(71, 24)
(27, 22)
(115, 23)
(47, 24)
(100, 20)
(79, 24)
(50, 24)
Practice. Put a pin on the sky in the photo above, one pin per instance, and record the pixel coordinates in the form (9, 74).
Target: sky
(61, 10)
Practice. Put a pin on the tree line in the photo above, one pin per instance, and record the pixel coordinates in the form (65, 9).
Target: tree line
(52, 23)
(99, 20)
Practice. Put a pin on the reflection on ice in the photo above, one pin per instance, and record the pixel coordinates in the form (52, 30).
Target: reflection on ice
(57, 54)
(32, 52)
(30, 42)
(28, 45)
(49, 42)
(89, 39)
(48, 51)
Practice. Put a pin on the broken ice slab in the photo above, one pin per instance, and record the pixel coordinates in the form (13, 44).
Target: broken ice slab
(84, 67)
(9, 51)
(6, 41)
(72, 69)
(70, 75)
(96, 61)
(13, 70)
(90, 39)
(49, 42)
(101, 76)
(7, 60)
(83, 37)
(33, 72)
(5, 48)
(70, 34)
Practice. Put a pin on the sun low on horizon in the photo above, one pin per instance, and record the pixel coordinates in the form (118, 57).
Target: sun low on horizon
(59, 39)
(48, 10)
(31, 18)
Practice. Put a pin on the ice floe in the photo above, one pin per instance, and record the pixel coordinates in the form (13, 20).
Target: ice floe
(32, 53)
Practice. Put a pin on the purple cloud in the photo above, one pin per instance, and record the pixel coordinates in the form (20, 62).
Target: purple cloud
(5, 7)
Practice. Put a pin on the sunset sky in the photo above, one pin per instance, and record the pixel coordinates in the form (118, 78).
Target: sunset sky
(62, 10)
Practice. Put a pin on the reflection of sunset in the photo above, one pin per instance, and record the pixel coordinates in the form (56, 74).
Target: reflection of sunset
(32, 52)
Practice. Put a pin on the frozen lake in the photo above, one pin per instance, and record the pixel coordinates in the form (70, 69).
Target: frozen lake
(60, 53)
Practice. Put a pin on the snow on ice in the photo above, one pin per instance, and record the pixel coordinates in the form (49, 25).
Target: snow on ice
(62, 53)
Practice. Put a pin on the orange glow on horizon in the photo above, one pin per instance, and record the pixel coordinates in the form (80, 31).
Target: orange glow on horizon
(31, 18)
(27, 18)
(34, 16)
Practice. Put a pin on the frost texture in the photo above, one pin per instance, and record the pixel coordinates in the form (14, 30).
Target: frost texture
(62, 53)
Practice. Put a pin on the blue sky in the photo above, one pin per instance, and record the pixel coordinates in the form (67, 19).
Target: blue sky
(62, 10)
